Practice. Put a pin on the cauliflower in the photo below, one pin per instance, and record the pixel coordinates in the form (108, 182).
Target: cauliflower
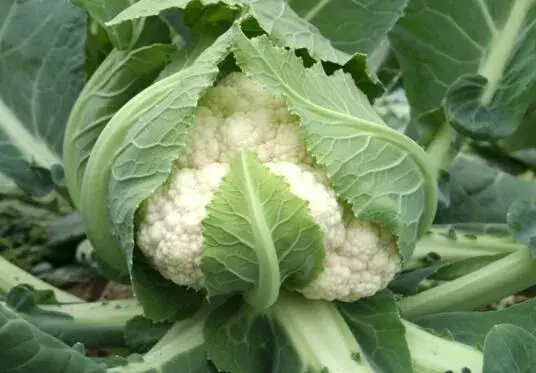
(239, 114)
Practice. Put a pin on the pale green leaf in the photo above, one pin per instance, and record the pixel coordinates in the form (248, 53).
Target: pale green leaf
(120, 77)
(382, 173)
(41, 74)
(476, 57)
(258, 235)
(132, 157)
(147, 8)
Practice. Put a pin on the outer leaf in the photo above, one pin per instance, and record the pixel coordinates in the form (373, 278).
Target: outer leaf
(122, 75)
(522, 223)
(26, 349)
(382, 173)
(472, 327)
(296, 335)
(181, 350)
(479, 59)
(147, 8)
(142, 140)
(377, 326)
(258, 235)
(102, 11)
(351, 26)
(41, 41)
(509, 348)
(238, 339)
(480, 193)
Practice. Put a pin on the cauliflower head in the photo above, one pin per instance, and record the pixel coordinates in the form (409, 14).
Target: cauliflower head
(239, 114)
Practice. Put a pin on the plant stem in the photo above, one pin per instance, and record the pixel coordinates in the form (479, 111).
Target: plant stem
(506, 276)
(439, 150)
(11, 276)
(460, 248)
(433, 354)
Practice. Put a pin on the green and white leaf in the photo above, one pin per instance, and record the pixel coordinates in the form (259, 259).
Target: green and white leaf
(120, 77)
(133, 156)
(41, 74)
(258, 236)
(383, 174)
(521, 220)
(477, 63)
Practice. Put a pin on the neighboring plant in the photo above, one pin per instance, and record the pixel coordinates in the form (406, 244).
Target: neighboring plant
(277, 197)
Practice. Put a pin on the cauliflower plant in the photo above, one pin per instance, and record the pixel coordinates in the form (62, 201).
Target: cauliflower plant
(239, 114)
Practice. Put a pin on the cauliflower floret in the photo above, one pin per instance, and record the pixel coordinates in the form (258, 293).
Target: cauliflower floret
(170, 231)
(365, 263)
(239, 114)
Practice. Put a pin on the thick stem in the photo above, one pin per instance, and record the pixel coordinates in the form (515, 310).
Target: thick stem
(433, 354)
(11, 276)
(439, 150)
(320, 335)
(506, 276)
(460, 248)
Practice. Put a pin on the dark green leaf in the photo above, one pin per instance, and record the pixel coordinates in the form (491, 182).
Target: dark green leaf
(377, 326)
(522, 223)
(141, 333)
(40, 42)
(509, 349)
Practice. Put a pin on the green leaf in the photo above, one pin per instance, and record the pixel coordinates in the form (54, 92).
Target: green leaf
(141, 334)
(26, 349)
(258, 235)
(510, 349)
(352, 27)
(296, 335)
(123, 35)
(376, 324)
(132, 157)
(41, 41)
(478, 65)
(120, 77)
(344, 134)
(181, 350)
(237, 338)
(147, 8)
(480, 193)
(472, 327)
(522, 223)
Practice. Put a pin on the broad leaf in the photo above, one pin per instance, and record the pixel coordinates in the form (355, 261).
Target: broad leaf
(480, 193)
(120, 77)
(41, 42)
(143, 139)
(258, 235)
(521, 220)
(472, 327)
(510, 349)
(477, 63)
(383, 174)
(147, 8)
(352, 27)
(121, 36)
(26, 349)
(376, 324)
